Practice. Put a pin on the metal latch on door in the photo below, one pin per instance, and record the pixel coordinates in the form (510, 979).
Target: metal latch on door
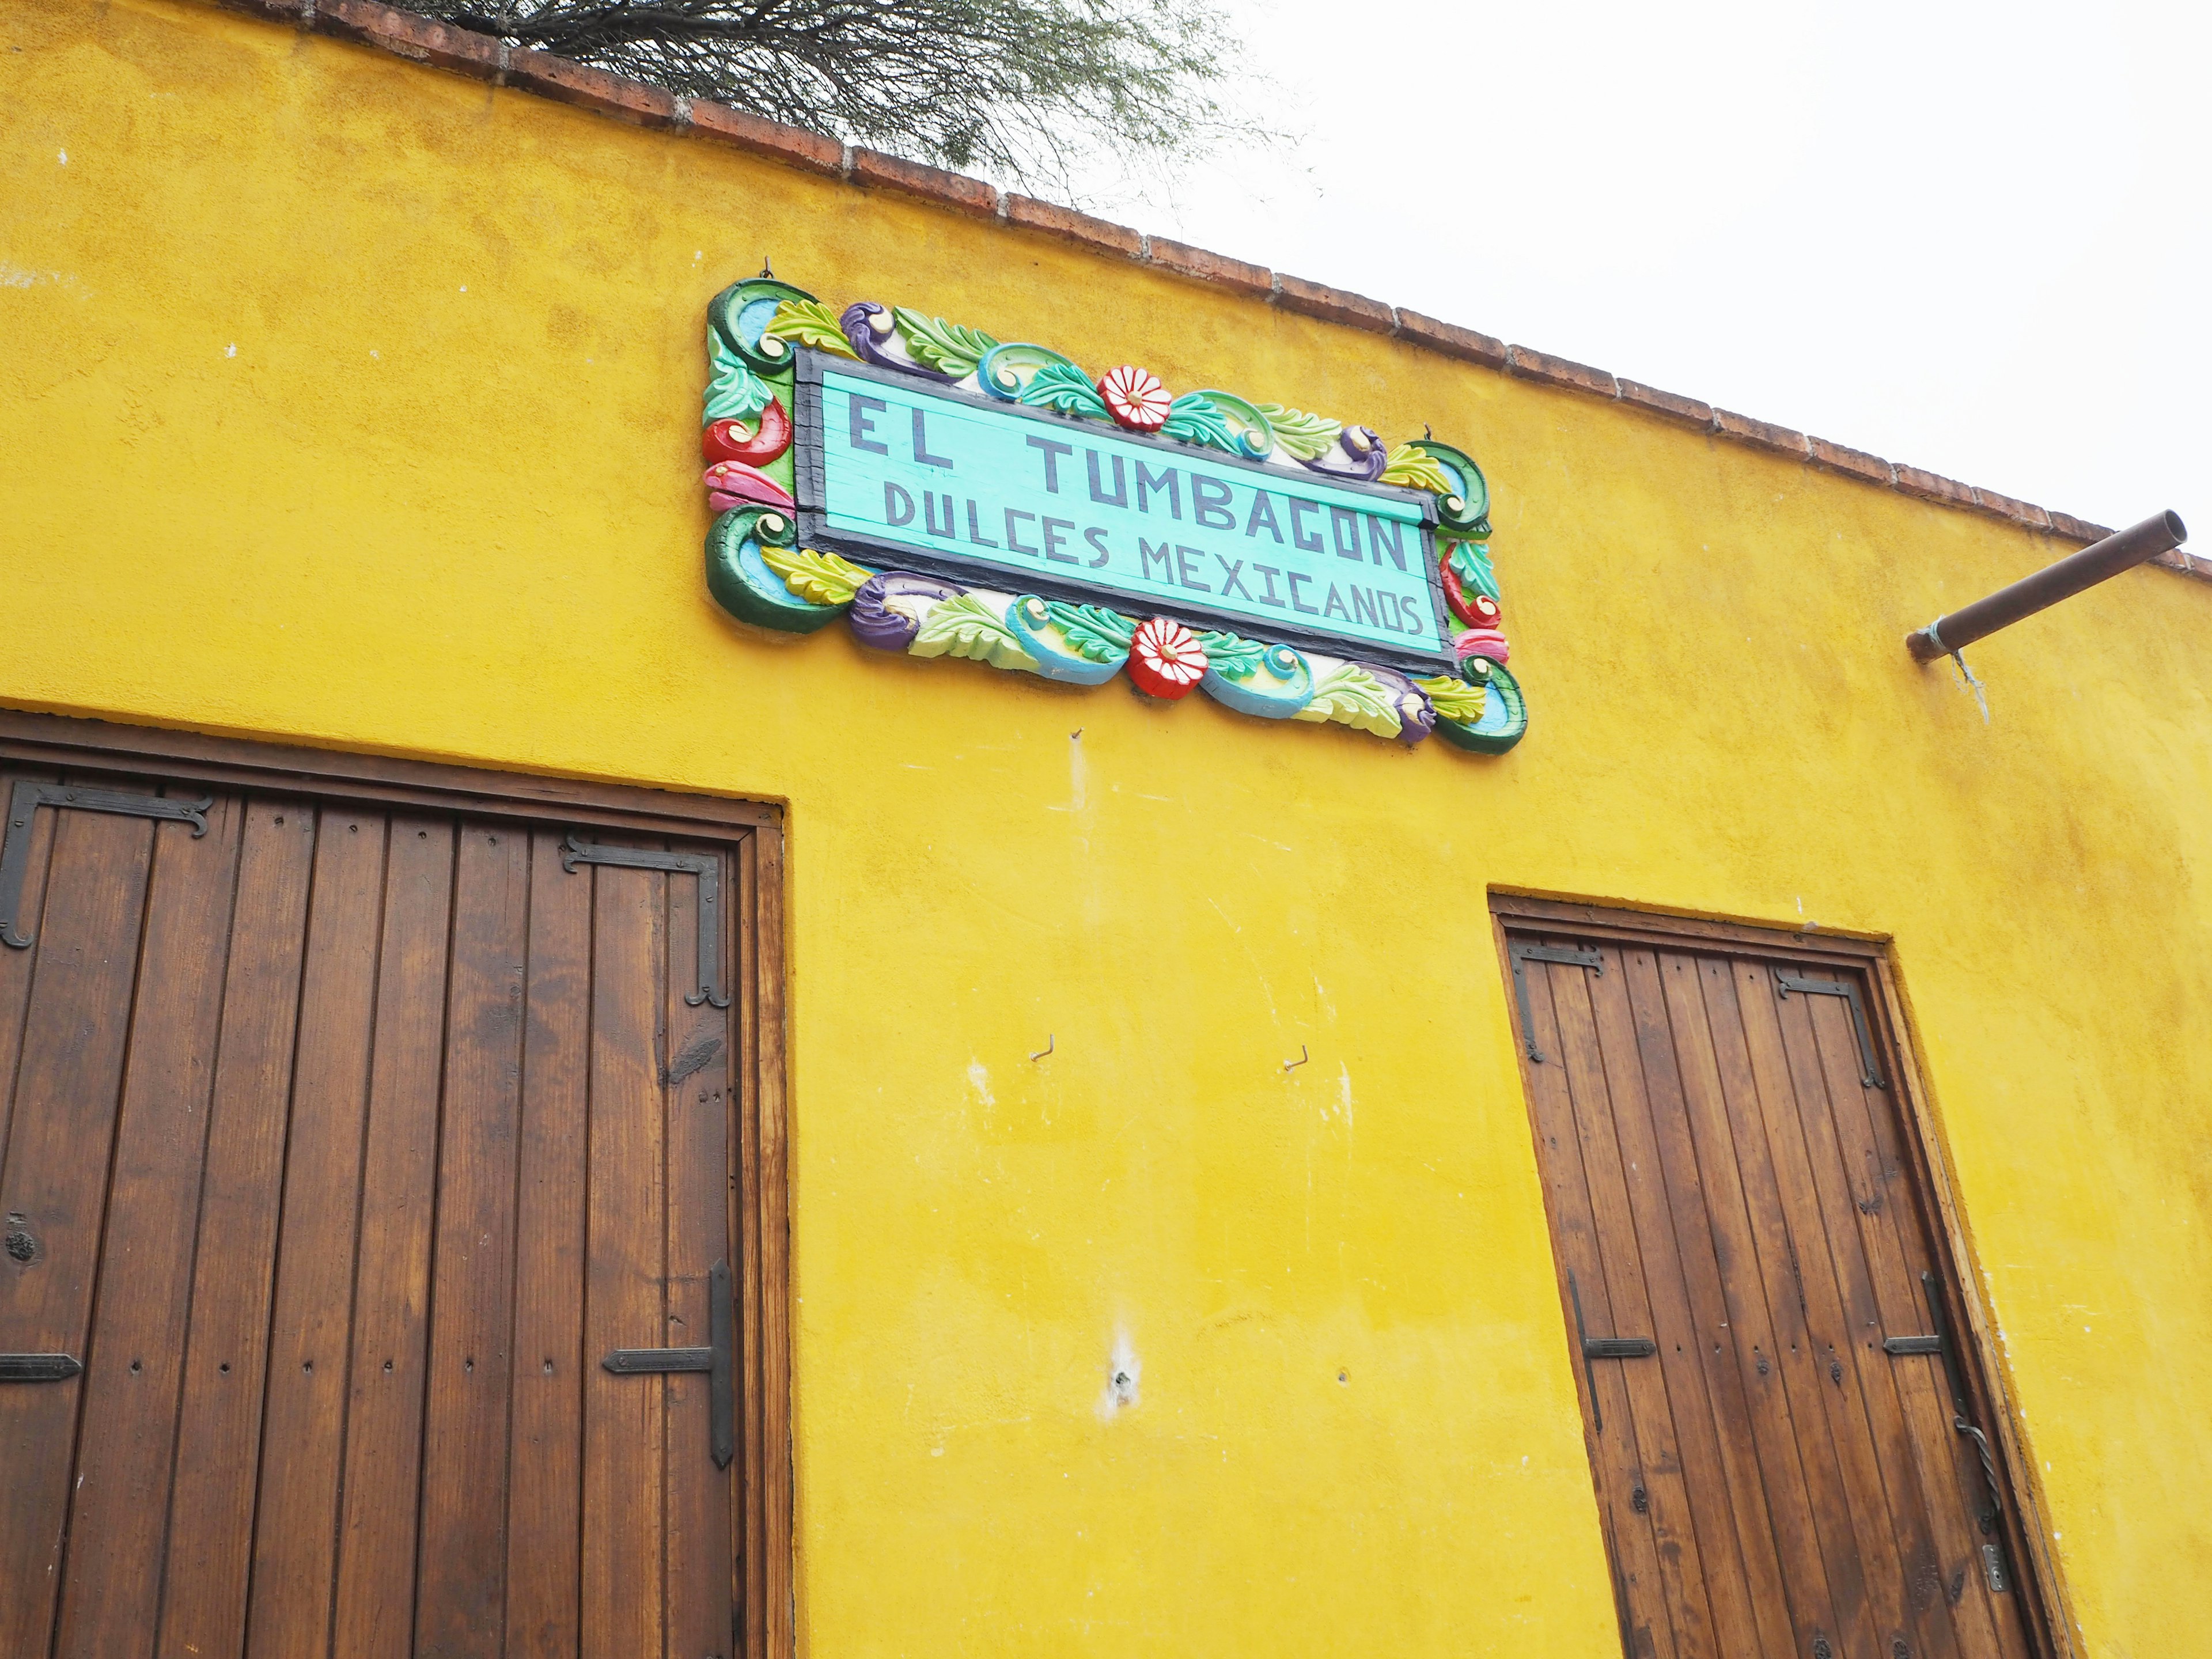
(716, 1359)
(1520, 950)
(1938, 1342)
(1595, 1348)
(37, 1367)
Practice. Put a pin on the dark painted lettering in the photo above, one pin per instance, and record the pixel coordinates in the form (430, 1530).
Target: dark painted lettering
(1300, 536)
(929, 501)
(1184, 557)
(1334, 606)
(1294, 577)
(1166, 484)
(921, 455)
(1055, 536)
(1344, 531)
(1052, 449)
(1270, 573)
(1393, 543)
(1229, 584)
(1121, 495)
(1263, 515)
(898, 506)
(975, 529)
(1096, 537)
(862, 408)
(1364, 608)
(1013, 543)
(1209, 504)
(1146, 552)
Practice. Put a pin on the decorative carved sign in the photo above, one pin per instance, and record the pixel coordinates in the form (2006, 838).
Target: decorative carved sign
(954, 495)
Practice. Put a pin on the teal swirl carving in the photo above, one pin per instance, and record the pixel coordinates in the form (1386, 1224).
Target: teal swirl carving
(1071, 643)
(1005, 369)
(741, 581)
(1270, 681)
(741, 313)
(1505, 717)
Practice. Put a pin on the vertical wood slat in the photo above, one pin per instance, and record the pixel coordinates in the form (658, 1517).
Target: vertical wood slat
(462, 1567)
(303, 1424)
(372, 1617)
(67, 1082)
(1897, 1250)
(1745, 1220)
(1615, 1451)
(211, 1503)
(16, 966)
(746, 1222)
(699, 1563)
(1722, 1469)
(772, 1487)
(1826, 1139)
(545, 1519)
(624, 1422)
(119, 1498)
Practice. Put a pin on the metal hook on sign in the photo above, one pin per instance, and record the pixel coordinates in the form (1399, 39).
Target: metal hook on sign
(1293, 1065)
(1049, 1040)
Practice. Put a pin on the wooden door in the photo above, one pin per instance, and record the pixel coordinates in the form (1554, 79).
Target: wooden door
(1747, 1264)
(339, 1145)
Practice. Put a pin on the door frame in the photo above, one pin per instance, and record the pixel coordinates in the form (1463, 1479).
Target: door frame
(751, 832)
(2042, 1595)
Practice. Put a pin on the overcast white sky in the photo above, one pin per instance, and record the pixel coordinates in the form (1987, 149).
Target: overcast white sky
(1971, 237)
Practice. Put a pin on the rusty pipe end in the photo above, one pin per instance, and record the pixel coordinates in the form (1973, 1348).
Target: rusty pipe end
(1922, 643)
(2175, 528)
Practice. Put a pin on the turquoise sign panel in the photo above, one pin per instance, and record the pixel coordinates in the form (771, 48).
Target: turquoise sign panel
(949, 483)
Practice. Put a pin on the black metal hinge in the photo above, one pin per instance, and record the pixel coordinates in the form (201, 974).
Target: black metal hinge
(708, 867)
(37, 1367)
(1518, 951)
(1595, 1348)
(29, 794)
(718, 1360)
(1869, 1063)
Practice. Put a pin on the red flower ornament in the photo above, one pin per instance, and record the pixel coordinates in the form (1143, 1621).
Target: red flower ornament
(1135, 398)
(1165, 658)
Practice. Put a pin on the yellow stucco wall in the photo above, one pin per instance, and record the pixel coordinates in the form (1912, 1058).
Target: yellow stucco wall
(345, 401)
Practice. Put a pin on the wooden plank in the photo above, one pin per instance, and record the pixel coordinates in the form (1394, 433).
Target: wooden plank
(1647, 1628)
(53, 1185)
(461, 1574)
(1831, 1328)
(697, 1107)
(112, 1585)
(373, 1612)
(1745, 1218)
(372, 782)
(1726, 1480)
(752, 1275)
(1598, 1079)
(16, 966)
(295, 1526)
(624, 1421)
(1757, 1072)
(1865, 1188)
(210, 1506)
(774, 1543)
(1664, 1205)
(1657, 931)
(544, 1523)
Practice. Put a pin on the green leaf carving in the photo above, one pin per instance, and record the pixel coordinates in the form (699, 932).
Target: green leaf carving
(1454, 700)
(950, 347)
(810, 323)
(818, 578)
(1298, 435)
(1232, 657)
(1194, 418)
(1470, 563)
(970, 627)
(735, 393)
(1064, 389)
(1408, 465)
(1350, 695)
(1097, 635)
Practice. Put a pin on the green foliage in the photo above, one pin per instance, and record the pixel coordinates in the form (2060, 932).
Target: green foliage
(1298, 435)
(1096, 634)
(1232, 657)
(949, 348)
(967, 626)
(810, 323)
(1194, 418)
(818, 578)
(1063, 387)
